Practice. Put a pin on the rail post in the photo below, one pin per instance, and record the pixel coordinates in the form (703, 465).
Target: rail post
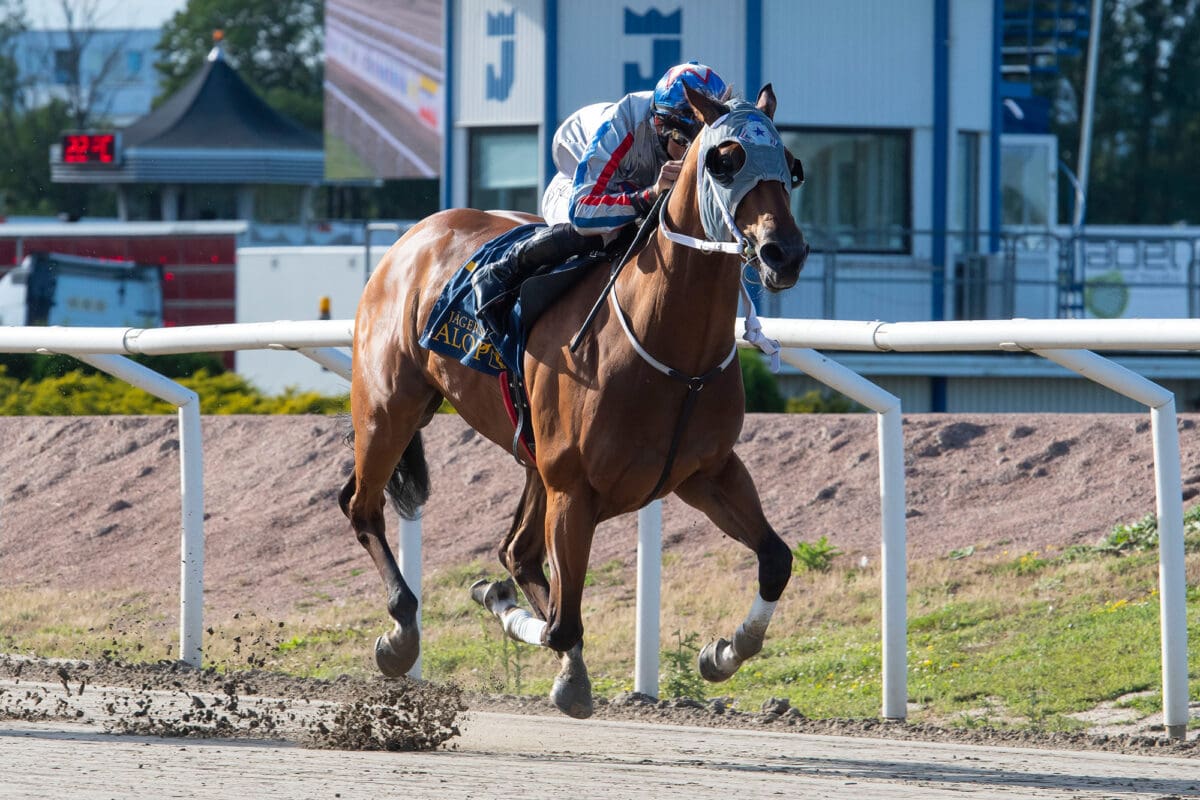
(649, 594)
(1168, 486)
(191, 483)
(409, 552)
(894, 547)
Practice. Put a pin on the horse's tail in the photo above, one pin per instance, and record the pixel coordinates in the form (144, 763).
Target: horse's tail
(409, 486)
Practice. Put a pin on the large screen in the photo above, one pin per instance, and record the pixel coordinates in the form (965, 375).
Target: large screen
(383, 89)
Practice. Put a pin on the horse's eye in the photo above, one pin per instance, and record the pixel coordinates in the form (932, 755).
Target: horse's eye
(720, 166)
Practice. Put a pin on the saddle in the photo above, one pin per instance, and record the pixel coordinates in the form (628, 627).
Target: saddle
(454, 330)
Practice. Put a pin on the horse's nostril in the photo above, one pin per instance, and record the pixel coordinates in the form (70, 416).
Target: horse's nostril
(771, 253)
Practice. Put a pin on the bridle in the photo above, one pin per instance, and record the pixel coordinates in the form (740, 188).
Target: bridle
(741, 247)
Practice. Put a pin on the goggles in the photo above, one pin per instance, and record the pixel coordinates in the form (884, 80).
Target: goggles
(678, 137)
(678, 129)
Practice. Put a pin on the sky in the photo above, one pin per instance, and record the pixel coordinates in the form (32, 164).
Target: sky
(108, 13)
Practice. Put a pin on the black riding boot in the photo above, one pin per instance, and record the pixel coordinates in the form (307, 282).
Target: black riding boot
(499, 281)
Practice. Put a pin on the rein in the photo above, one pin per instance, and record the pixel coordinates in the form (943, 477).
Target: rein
(639, 241)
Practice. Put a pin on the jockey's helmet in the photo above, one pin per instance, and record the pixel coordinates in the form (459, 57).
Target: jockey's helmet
(670, 103)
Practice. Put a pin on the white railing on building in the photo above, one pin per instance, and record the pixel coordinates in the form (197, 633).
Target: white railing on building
(1066, 342)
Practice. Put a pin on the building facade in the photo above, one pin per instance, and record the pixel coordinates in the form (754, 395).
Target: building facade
(932, 177)
(116, 70)
(891, 104)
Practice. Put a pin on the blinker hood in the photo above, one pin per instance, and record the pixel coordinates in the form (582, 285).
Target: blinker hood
(765, 161)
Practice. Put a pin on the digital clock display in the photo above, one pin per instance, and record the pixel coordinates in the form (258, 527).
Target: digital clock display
(89, 148)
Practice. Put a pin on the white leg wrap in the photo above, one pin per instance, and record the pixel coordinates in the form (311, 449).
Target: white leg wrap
(519, 624)
(748, 638)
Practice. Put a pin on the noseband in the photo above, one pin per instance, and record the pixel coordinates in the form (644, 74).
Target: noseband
(749, 128)
(754, 132)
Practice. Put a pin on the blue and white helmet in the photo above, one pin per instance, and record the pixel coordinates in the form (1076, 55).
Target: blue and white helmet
(670, 102)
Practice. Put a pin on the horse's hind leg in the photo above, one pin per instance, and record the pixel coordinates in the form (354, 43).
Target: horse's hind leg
(383, 438)
(730, 500)
(522, 553)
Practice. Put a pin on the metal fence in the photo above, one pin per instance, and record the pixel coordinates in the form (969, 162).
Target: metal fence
(1097, 273)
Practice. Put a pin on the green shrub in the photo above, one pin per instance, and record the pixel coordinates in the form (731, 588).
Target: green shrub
(25, 366)
(822, 401)
(680, 678)
(762, 390)
(814, 556)
(1132, 537)
(78, 393)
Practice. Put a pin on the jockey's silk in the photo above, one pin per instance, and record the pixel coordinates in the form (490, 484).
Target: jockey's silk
(612, 155)
(453, 330)
(765, 161)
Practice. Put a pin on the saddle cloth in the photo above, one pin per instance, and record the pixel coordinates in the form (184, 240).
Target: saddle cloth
(453, 329)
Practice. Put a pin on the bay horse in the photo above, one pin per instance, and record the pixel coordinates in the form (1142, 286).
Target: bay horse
(604, 417)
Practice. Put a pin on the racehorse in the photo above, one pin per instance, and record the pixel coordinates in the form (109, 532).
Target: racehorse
(605, 417)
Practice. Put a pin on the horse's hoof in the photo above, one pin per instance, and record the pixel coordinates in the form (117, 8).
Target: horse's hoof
(573, 696)
(715, 668)
(396, 652)
(495, 596)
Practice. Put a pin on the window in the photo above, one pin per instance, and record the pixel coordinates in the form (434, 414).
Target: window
(964, 203)
(209, 201)
(504, 170)
(857, 188)
(1028, 168)
(133, 63)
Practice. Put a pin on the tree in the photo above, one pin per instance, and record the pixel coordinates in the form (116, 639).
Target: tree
(1145, 145)
(275, 45)
(25, 177)
(762, 391)
(12, 98)
(82, 18)
(25, 186)
(28, 133)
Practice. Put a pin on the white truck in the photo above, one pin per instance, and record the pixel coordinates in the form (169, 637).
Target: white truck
(56, 289)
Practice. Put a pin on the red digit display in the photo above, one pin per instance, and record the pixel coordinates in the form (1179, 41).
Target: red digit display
(89, 148)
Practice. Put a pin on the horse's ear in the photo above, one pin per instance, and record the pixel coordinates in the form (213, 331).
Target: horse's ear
(706, 109)
(766, 101)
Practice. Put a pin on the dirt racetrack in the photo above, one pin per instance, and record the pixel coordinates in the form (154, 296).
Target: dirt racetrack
(529, 757)
(75, 730)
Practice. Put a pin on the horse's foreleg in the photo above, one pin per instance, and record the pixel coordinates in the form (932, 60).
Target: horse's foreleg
(397, 651)
(522, 553)
(570, 525)
(729, 499)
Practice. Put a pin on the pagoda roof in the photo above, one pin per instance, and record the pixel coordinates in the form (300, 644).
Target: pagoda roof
(215, 129)
(216, 108)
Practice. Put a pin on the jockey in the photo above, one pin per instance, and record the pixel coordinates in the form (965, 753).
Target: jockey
(613, 160)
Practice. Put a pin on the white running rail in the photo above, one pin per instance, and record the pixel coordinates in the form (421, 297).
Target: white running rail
(1066, 342)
